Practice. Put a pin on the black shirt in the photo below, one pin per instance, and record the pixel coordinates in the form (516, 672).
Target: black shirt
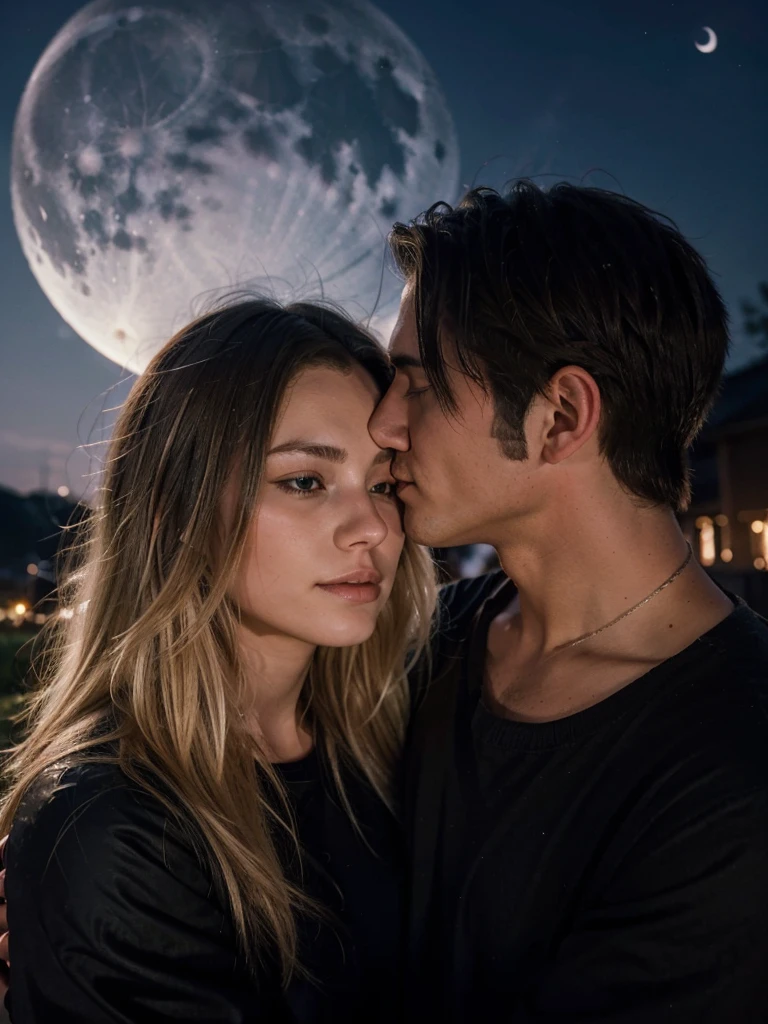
(611, 866)
(355, 956)
(116, 918)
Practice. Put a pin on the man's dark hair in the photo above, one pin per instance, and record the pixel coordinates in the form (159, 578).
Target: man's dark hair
(525, 283)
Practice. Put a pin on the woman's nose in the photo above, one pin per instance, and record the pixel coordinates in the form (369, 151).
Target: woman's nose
(362, 525)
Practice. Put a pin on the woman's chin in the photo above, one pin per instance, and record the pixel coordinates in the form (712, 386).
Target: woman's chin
(353, 627)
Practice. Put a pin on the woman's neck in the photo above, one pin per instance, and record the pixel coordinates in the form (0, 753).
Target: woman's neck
(276, 669)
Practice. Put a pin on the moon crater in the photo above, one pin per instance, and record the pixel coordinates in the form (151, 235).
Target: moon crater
(162, 153)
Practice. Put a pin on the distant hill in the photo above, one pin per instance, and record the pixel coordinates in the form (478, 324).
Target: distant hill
(31, 529)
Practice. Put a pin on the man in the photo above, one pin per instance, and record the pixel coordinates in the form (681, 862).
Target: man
(588, 769)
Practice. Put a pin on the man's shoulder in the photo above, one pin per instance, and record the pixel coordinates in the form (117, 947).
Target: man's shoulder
(733, 657)
(748, 635)
(703, 734)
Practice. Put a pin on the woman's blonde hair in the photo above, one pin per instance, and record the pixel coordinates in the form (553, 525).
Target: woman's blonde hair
(143, 659)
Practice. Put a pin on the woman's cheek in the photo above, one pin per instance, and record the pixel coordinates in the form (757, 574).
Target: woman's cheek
(277, 546)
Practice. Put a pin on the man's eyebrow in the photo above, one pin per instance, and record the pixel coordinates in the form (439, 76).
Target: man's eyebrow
(317, 451)
(404, 362)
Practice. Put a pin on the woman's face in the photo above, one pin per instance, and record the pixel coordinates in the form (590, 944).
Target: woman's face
(326, 539)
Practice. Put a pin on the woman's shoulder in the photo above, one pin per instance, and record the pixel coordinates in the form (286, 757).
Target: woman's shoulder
(97, 792)
(99, 876)
(89, 819)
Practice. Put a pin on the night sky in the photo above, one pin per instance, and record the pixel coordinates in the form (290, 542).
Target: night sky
(612, 93)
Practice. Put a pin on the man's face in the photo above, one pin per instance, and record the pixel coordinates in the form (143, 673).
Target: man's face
(455, 483)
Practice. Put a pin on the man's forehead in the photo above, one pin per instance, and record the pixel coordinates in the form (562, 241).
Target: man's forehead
(404, 343)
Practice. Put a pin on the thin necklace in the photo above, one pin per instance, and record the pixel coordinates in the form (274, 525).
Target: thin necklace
(588, 636)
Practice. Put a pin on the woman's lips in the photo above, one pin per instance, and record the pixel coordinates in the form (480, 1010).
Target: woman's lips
(355, 593)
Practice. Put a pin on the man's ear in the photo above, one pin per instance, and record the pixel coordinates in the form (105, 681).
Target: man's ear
(573, 415)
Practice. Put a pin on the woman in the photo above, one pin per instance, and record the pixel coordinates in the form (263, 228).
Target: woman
(202, 813)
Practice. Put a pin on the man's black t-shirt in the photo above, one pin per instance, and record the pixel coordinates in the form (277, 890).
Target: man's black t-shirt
(611, 866)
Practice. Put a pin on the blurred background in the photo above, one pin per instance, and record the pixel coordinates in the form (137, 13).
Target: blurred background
(663, 101)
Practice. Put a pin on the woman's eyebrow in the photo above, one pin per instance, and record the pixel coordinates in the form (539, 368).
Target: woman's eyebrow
(317, 451)
(325, 451)
(385, 455)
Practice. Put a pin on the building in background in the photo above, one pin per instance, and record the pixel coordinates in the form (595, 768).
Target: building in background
(727, 522)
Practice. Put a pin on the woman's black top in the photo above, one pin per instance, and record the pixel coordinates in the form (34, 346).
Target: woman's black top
(116, 917)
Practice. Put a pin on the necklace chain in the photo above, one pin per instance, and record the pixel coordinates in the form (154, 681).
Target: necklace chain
(588, 636)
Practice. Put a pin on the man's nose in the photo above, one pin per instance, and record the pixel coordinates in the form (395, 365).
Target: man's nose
(388, 426)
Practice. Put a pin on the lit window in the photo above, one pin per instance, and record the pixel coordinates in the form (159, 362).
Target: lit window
(707, 542)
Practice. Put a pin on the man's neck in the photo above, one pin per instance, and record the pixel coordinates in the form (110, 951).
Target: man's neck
(577, 575)
(579, 571)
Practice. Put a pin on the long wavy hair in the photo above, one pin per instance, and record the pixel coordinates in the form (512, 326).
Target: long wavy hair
(143, 659)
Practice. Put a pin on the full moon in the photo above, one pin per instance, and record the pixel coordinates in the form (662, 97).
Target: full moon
(711, 43)
(169, 153)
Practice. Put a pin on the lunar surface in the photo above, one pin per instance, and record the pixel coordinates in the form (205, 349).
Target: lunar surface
(166, 155)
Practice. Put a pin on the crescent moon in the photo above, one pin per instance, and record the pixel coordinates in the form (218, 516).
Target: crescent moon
(711, 43)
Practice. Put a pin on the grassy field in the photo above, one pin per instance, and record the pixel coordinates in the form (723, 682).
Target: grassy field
(15, 650)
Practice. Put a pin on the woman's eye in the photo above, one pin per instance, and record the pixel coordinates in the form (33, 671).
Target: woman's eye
(415, 392)
(300, 484)
(387, 487)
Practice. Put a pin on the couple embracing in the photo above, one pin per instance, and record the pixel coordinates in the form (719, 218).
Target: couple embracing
(272, 776)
